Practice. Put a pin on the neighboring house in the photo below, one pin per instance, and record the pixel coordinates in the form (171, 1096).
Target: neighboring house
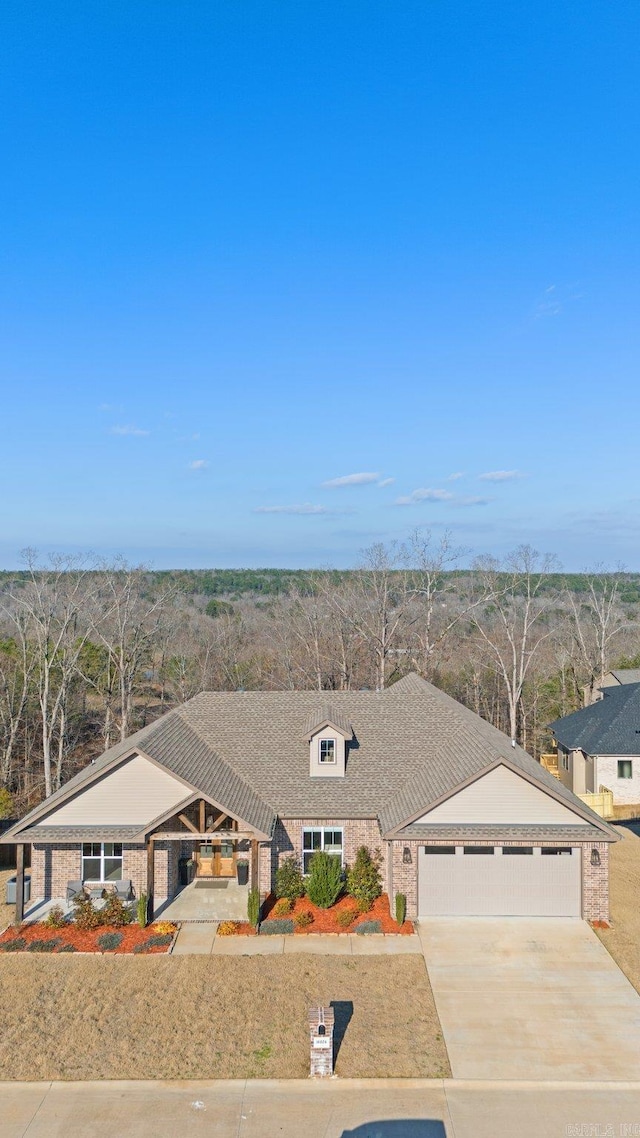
(600, 745)
(611, 680)
(466, 823)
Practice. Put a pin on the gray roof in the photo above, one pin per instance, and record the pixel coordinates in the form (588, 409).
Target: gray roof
(499, 834)
(609, 727)
(75, 834)
(626, 675)
(411, 746)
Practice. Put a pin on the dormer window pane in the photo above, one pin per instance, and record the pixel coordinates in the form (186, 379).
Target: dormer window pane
(327, 750)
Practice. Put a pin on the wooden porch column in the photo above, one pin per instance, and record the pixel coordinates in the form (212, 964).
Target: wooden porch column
(255, 882)
(19, 917)
(150, 878)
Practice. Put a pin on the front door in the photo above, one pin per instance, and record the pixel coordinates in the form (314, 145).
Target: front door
(223, 859)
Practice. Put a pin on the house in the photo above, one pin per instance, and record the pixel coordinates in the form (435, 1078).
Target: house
(599, 745)
(611, 679)
(466, 822)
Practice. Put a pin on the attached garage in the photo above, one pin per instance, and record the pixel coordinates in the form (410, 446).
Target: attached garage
(501, 881)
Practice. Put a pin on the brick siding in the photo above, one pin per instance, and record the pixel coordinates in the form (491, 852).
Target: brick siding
(595, 883)
(287, 840)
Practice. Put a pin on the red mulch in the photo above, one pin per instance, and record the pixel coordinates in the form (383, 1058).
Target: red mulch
(132, 935)
(324, 919)
(600, 924)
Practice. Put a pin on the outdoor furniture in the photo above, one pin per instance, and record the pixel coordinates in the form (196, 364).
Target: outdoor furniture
(95, 890)
(122, 888)
(73, 888)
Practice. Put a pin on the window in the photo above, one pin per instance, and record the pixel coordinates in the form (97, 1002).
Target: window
(625, 768)
(312, 840)
(439, 849)
(101, 861)
(327, 750)
(506, 850)
(478, 849)
(565, 760)
(556, 851)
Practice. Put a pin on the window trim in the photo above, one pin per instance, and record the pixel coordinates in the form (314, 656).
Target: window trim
(102, 857)
(328, 762)
(322, 830)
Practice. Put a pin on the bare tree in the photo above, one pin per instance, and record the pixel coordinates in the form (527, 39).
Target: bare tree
(375, 605)
(598, 621)
(514, 623)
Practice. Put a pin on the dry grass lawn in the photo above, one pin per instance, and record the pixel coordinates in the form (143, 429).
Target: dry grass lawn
(623, 939)
(213, 1017)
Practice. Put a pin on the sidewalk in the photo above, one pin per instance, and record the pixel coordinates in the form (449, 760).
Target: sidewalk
(202, 937)
(350, 1108)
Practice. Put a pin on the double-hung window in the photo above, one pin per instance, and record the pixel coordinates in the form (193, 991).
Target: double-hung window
(625, 768)
(101, 861)
(327, 751)
(329, 840)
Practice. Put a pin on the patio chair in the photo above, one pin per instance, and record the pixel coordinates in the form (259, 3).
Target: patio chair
(73, 888)
(122, 888)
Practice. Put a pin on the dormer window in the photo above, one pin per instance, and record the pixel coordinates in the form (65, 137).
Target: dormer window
(327, 751)
(328, 734)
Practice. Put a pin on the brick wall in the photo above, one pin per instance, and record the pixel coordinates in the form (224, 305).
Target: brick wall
(595, 883)
(51, 868)
(287, 840)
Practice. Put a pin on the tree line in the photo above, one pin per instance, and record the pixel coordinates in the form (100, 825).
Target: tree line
(90, 651)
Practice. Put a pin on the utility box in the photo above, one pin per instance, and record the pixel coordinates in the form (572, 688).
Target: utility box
(321, 1024)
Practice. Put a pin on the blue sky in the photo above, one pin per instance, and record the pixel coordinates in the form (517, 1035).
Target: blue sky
(249, 248)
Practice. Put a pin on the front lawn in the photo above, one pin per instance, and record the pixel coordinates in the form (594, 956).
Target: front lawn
(216, 1017)
(623, 939)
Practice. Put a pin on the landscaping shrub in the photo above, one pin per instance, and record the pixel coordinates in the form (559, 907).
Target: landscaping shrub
(67, 948)
(303, 919)
(18, 944)
(401, 908)
(325, 879)
(141, 910)
(283, 907)
(86, 916)
(277, 927)
(364, 882)
(56, 918)
(108, 941)
(162, 928)
(227, 928)
(43, 945)
(289, 879)
(253, 907)
(159, 941)
(346, 917)
(367, 927)
(116, 911)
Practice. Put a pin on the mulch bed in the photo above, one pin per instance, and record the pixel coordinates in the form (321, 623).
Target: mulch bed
(324, 920)
(133, 936)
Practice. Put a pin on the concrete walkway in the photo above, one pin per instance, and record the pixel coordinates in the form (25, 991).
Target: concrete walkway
(531, 998)
(197, 938)
(350, 1108)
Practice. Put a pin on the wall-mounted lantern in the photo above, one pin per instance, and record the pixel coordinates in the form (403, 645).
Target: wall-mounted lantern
(406, 855)
(595, 857)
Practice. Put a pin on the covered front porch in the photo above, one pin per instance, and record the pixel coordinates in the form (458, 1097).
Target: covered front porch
(214, 899)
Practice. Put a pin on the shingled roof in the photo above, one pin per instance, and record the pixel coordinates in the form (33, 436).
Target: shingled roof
(409, 746)
(609, 727)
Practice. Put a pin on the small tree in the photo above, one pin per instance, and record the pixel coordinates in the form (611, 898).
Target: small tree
(364, 883)
(289, 879)
(253, 906)
(325, 879)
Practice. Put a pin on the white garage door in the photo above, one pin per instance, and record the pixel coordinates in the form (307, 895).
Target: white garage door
(501, 881)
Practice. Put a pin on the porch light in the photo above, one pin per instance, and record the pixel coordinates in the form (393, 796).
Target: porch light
(406, 856)
(595, 857)
(209, 822)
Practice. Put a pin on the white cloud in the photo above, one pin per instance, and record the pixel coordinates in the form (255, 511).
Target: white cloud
(198, 464)
(500, 476)
(424, 495)
(352, 480)
(303, 508)
(454, 477)
(386, 482)
(129, 430)
(470, 501)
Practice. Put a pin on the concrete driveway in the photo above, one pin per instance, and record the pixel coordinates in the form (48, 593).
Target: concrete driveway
(522, 998)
